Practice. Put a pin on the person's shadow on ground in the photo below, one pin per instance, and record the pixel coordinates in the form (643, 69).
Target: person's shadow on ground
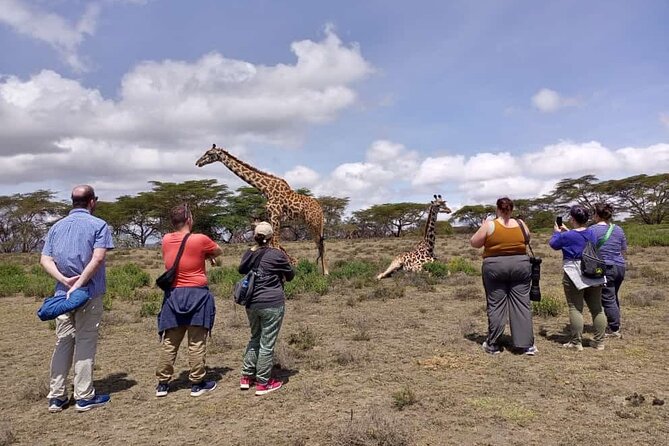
(116, 382)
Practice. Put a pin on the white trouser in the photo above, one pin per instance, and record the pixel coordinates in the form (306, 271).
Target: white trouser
(77, 340)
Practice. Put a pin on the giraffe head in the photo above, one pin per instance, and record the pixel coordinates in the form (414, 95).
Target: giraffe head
(441, 203)
(211, 156)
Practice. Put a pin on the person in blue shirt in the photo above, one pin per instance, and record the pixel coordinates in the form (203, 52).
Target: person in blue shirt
(612, 250)
(579, 289)
(74, 254)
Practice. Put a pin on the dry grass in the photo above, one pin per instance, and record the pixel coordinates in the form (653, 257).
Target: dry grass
(362, 348)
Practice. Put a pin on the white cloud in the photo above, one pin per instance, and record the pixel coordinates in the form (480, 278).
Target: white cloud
(50, 28)
(301, 176)
(548, 101)
(566, 158)
(171, 111)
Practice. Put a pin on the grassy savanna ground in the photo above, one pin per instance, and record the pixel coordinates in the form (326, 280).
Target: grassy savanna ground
(365, 362)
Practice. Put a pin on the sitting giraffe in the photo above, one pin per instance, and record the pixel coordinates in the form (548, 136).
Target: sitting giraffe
(282, 201)
(423, 252)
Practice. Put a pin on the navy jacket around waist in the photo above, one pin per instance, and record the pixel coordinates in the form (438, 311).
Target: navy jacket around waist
(184, 306)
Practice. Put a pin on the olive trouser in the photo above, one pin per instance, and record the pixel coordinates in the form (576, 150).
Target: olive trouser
(197, 349)
(592, 296)
(265, 324)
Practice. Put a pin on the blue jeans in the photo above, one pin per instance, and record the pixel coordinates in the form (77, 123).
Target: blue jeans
(265, 324)
(615, 274)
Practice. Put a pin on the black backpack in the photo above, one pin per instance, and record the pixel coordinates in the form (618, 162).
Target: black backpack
(592, 264)
(243, 289)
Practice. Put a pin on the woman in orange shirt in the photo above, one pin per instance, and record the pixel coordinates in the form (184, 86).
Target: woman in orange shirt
(188, 307)
(507, 279)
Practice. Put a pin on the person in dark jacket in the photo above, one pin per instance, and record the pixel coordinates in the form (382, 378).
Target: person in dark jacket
(265, 310)
(188, 307)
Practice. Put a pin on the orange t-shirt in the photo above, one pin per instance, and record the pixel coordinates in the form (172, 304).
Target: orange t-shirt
(504, 241)
(191, 270)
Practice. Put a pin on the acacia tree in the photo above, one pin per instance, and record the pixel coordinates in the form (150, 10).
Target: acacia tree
(583, 191)
(472, 215)
(25, 219)
(333, 214)
(242, 209)
(645, 197)
(389, 218)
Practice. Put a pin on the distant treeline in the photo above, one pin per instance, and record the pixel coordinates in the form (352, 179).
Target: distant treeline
(228, 216)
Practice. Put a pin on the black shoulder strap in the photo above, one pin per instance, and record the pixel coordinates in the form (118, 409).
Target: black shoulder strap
(525, 235)
(181, 251)
(258, 258)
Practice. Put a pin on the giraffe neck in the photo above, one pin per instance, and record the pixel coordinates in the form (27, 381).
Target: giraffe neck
(430, 226)
(256, 178)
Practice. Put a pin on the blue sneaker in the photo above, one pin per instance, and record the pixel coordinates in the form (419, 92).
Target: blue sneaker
(530, 351)
(202, 388)
(96, 401)
(162, 389)
(491, 349)
(57, 405)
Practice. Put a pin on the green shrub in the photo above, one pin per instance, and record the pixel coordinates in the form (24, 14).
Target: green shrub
(305, 266)
(123, 280)
(150, 308)
(549, 306)
(223, 275)
(403, 398)
(353, 269)
(307, 280)
(107, 302)
(457, 264)
(436, 268)
(646, 235)
(303, 339)
(39, 283)
(12, 279)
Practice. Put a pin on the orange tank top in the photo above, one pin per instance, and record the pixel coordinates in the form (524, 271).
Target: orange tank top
(504, 241)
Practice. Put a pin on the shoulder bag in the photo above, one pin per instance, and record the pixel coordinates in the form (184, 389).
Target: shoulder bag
(166, 279)
(535, 262)
(243, 290)
(592, 264)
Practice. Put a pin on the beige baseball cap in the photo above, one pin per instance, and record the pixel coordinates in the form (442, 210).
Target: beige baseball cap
(263, 228)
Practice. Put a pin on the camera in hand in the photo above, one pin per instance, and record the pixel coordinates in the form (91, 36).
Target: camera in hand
(558, 221)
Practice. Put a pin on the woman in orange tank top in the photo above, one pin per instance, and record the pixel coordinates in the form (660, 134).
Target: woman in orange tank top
(507, 279)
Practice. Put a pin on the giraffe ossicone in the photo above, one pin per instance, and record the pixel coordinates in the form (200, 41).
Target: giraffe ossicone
(282, 201)
(424, 251)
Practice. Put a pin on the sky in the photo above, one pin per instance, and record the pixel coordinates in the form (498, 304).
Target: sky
(379, 101)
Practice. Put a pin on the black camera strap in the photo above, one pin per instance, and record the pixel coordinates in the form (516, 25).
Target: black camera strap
(525, 235)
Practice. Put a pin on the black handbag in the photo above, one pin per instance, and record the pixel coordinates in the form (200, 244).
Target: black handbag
(535, 263)
(592, 263)
(166, 279)
(243, 290)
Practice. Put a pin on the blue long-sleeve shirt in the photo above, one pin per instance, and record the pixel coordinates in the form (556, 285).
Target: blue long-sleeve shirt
(572, 243)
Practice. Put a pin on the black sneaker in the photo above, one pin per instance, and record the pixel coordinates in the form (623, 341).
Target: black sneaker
(202, 388)
(57, 405)
(162, 389)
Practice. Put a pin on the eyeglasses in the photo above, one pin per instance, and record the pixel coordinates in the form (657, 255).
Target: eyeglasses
(96, 198)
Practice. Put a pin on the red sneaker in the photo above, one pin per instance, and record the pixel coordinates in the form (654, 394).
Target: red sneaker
(270, 386)
(246, 381)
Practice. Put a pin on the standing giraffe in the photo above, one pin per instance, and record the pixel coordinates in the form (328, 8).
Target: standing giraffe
(281, 199)
(423, 252)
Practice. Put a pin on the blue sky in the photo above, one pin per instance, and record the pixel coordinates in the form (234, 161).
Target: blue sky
(374, 100)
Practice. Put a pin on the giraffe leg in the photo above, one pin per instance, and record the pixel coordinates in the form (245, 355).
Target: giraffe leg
(394, 266)
(319, 238)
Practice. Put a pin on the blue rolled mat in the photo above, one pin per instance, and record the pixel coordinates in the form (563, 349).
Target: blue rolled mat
(56, 305)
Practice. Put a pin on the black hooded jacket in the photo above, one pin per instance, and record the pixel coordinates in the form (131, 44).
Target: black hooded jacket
(273, 270)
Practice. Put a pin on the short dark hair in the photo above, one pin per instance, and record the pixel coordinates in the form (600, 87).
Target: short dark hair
(179, 215)
(505, 205)
(604, 211)
(81, 196)
(579, 214)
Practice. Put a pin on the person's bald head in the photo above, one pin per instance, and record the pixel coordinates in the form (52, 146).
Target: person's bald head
(82, 196)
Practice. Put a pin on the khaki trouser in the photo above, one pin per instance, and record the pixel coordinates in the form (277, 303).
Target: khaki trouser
(77, 341)
(197, 349)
